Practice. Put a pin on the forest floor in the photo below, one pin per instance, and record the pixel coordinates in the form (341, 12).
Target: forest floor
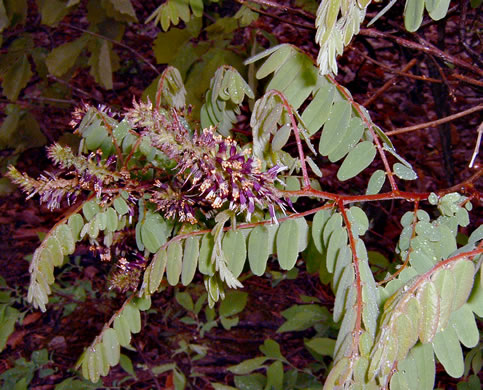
(80, 305)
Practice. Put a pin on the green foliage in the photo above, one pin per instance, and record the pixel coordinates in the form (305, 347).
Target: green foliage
(22, 373)
(9, 315)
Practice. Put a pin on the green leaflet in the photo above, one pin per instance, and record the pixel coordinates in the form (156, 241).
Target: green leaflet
(318, 224)
(101, 63)
(272, 64)
(352, 136)
(376, 182)
(121, 206)
(303, 229)
(437, 9)
(445, 285)
(404, 172)
(154, 232)
(358, 219)
(344, 258)
(266, 115)
(190, 259)
(63, 57)
(448, 351)
(343, 297)
(112, 220)
(337, 240)
(133, 318)
(122, 7)
(429, 301)
(56, 255)
(174, 262)
(234, 303)
(319, 109)
(287, 244)
(300, 88)
(321, 345)
(167, 44)
(248, 366)
(158, 265)
(334, 222)
(413, 14)
(281, 137)
(464, 323)
(417, 371)
(275, 375)
(344, 338)
(335, 128)
(357, 160)
(339, 373)
(66, 239)
(407, 335)
(111, 346)
(16, 78)
(122, 329)
(185, 300)
(170, 89)
(101, 221)
(463, 272)
(475, 301)
(205, 265)
(258, 249)
(90, 209)
(234, 249)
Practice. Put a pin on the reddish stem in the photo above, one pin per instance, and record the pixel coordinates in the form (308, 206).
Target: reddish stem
(355, 261)
(297, 137)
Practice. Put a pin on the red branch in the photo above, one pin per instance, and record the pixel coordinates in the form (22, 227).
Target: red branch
(355, 261)
(300, 148)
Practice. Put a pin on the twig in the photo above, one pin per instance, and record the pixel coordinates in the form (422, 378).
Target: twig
(395, 71)
(467, 79)
(260, 11)
(389, 83)
(72, 87)
(460, 187)
(462, 32)
(47, 99)
(477, 146)
(436, 122)
(426, 47)
(282, 7)
(297, 138)
(136, 53)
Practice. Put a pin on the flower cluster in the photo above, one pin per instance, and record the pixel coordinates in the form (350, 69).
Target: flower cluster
(211, 172)
(125, 275)
(76, 173)
(51, 188)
